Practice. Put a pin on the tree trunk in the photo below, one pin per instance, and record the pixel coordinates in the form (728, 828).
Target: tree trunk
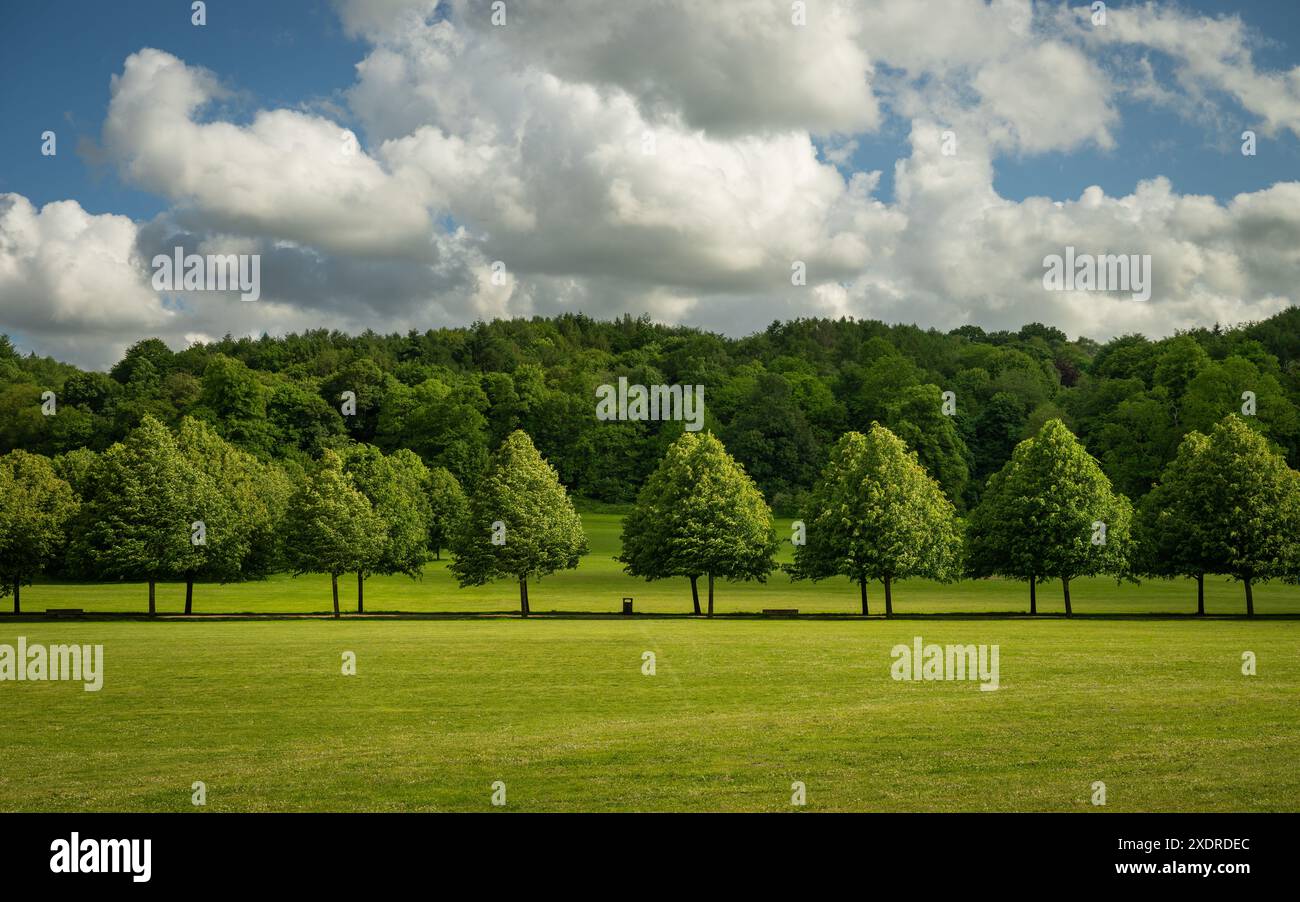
(361, 593)
(1065, 583)
(889, 597)
(695, 594)
(862, 585)
(18, 584)
(152, 609)
(523, 596)
(1250, 599)
(189, 593)
(1200, 595)
(1033, 595)
(334, 582)
(710, 594)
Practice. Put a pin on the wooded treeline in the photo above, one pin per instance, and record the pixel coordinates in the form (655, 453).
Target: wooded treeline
(404, 469)
(778, 399)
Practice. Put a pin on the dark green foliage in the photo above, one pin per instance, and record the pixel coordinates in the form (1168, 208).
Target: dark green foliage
(330, 526)
(779, 398)
(35, 508)
(1246, 502)
(139, 523)
(447, 508)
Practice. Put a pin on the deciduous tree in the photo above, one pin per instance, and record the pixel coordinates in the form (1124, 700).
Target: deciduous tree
(1170, 530)
(1250, 521)
(35, 507)
(138, 525)
(876, 514)
(395, 488)
(331, 527)
(1050, 512)
(520, 523)
(699, 514)
(447, 508)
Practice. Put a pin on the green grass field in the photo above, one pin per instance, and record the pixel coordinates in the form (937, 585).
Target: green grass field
(599, 584)
(738, 709)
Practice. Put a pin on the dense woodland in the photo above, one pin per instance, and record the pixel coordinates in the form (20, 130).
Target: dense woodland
(907, 452)
(778, 400)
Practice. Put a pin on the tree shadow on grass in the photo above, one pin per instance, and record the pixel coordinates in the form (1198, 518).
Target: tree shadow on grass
(254, 616)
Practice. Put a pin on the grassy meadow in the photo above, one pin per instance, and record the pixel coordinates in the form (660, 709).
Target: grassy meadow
(599, 584)
(737, 710)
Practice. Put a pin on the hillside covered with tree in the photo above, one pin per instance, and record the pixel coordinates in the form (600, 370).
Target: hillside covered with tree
(778, 400)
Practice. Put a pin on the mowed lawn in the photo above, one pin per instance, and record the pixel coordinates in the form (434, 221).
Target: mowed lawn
(559, 710)
(738, 709)
(599, 584)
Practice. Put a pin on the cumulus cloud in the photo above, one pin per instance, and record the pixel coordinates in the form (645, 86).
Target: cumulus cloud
(1212, 54)
(665, 158)
(738, 67)
(286, 175)
(566, 177)
(969, 253)
(71, 278)
(79, 285)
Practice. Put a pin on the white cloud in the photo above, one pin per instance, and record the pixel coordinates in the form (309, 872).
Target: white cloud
(729, 68)
(286, 175)
(967, 248)
(568, 178)
(664, 158)
(1074, 112)
(1211, 54)
(65, 271)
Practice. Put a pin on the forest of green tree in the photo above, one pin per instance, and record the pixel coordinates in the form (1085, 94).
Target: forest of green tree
(778, 400)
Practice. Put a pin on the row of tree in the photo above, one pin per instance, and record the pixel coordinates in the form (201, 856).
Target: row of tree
(189, 505)
(1228, 504)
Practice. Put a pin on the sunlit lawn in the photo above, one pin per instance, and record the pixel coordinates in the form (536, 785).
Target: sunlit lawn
(599, 584)
(738, 709)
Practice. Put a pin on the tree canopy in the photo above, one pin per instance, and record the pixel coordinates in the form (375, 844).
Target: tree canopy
(520, 522)
(35, 507)
(330, 526)
(1250, 512)
(876, 514)
(699, 514)
(1050, 512)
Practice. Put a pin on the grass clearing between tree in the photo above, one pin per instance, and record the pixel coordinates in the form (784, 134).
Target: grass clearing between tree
(737, 710)
(599, 584)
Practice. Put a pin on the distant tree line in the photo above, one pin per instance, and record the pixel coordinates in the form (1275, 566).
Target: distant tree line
(779, 400)
(188, 505)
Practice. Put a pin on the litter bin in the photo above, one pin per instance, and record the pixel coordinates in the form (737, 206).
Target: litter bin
(627, 604)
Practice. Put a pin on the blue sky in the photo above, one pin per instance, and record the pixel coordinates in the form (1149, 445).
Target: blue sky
(59, 56)
(482, 145)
